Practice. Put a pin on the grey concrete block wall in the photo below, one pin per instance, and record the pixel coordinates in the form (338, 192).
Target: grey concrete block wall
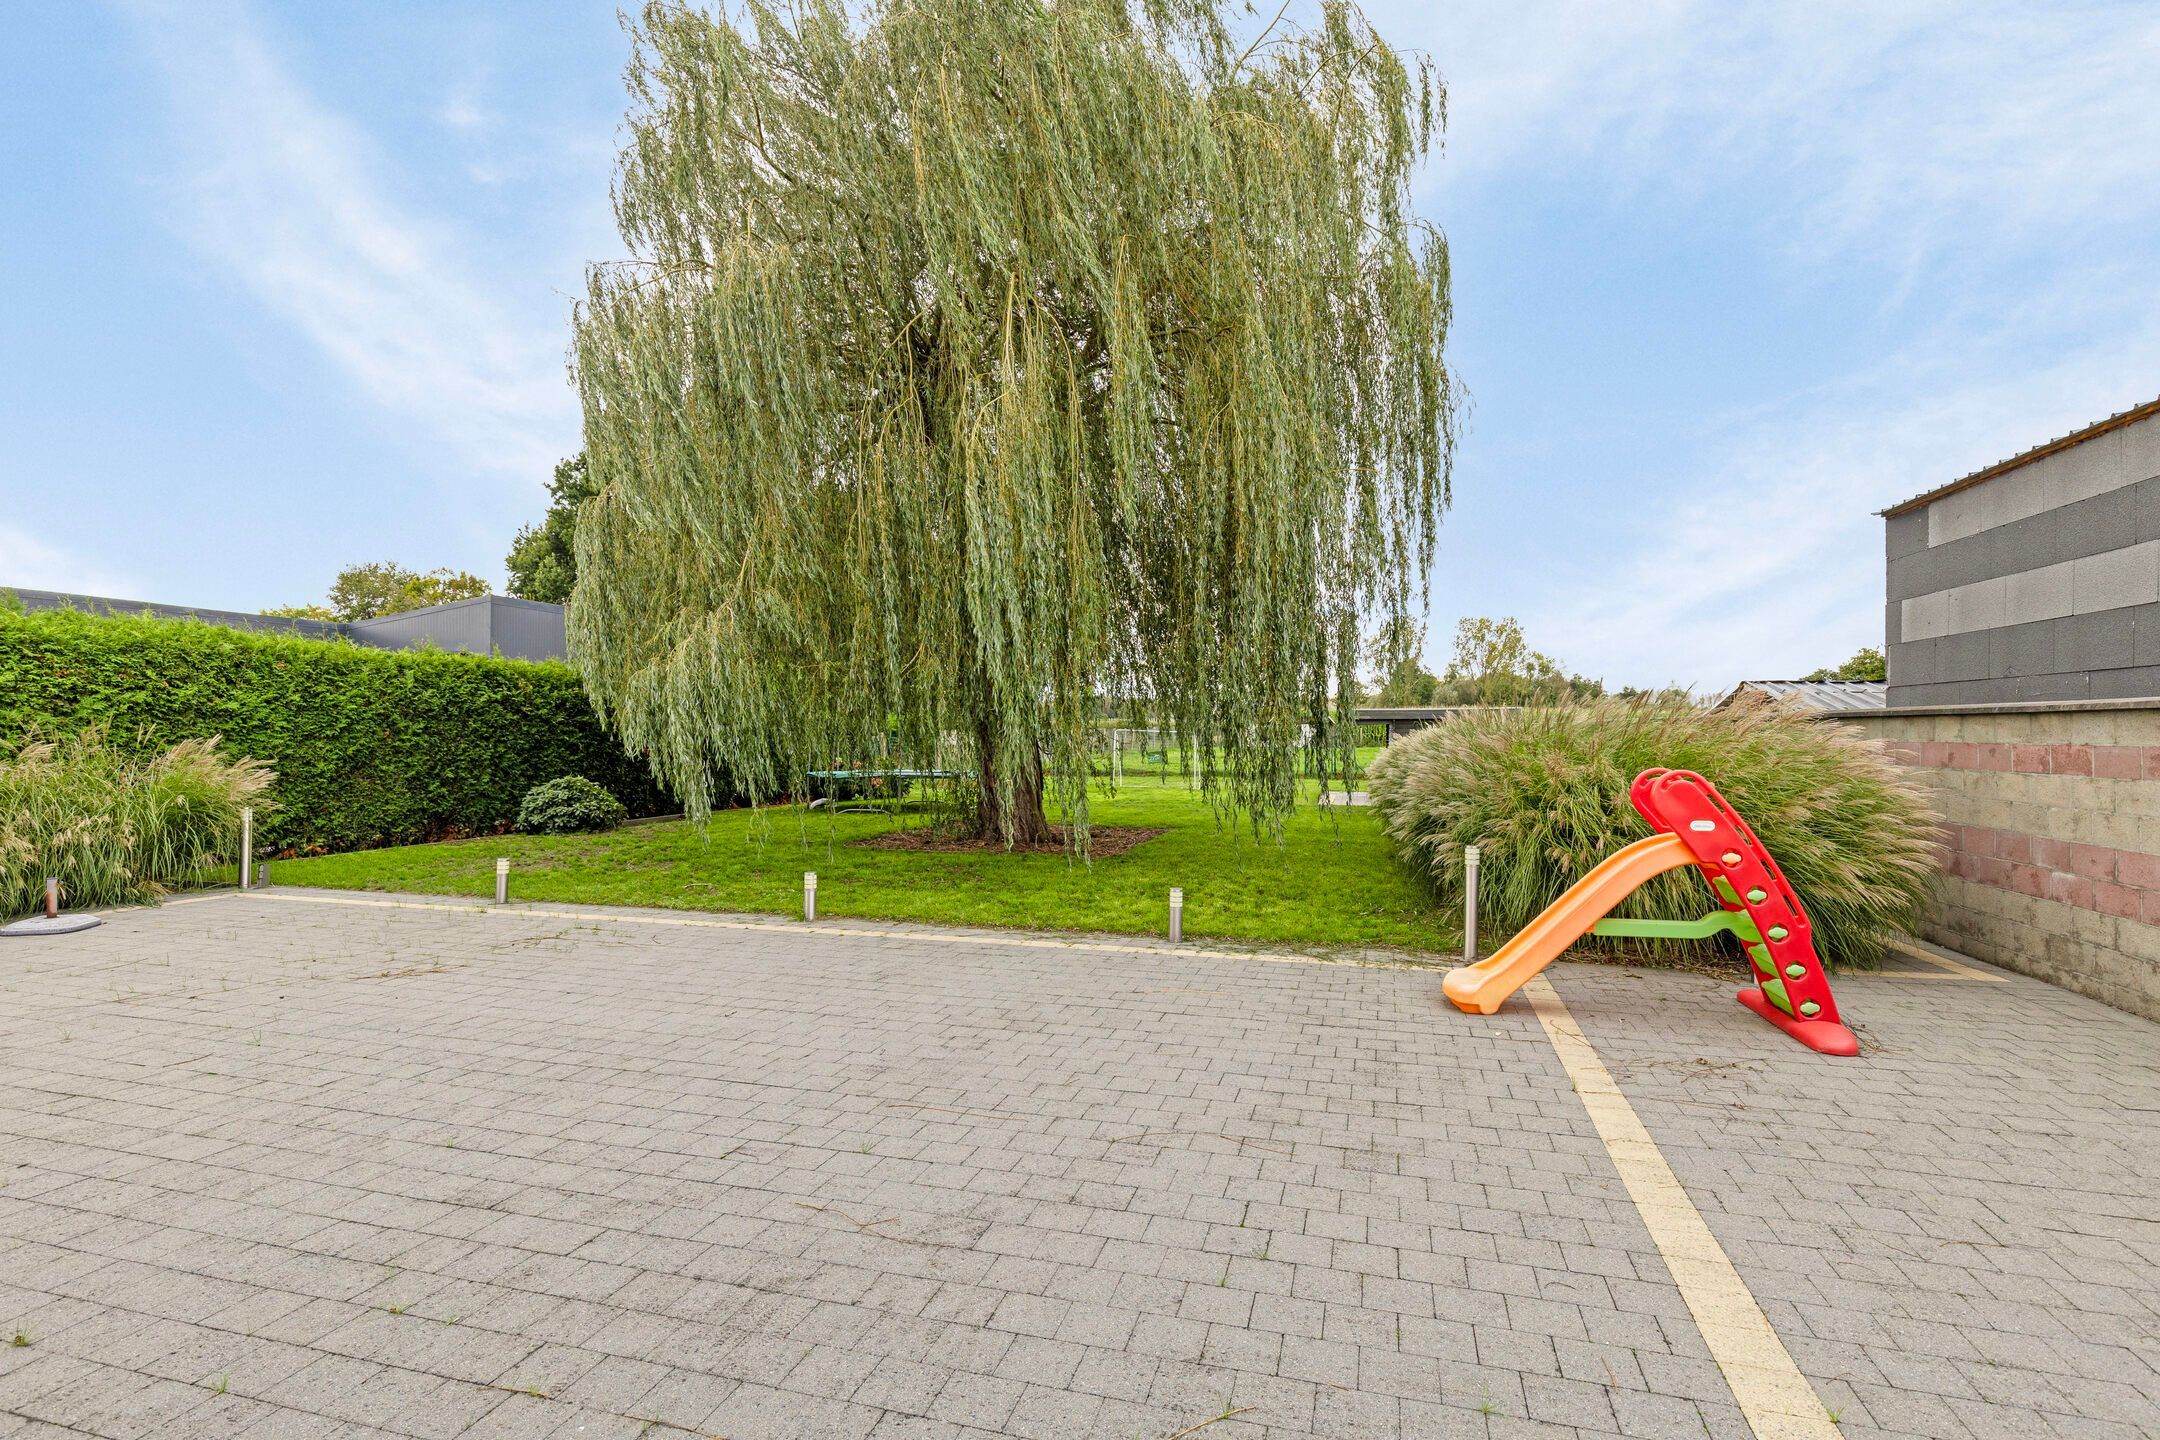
(2110, 457)
(2040, 582)
(2050, 846)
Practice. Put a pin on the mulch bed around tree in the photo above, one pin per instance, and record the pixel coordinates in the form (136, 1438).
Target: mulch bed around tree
(1104, 841)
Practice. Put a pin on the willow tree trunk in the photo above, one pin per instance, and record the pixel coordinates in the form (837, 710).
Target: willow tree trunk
(1022, 822)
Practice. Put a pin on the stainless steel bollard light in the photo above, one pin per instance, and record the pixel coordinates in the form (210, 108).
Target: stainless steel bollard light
(502, 880)
(809, 894)
(247, 842)
(1177, 914)
(1469, 904)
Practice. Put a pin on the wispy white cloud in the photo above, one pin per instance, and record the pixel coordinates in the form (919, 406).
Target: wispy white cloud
(294, 203)
(1773, 563)
(1988, 170)
(1910, 124)
(1986, 167)
(30, 563)
(462, 112)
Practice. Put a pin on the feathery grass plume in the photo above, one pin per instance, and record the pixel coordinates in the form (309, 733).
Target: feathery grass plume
(1543, 793)
(978, 359)
(116, 830)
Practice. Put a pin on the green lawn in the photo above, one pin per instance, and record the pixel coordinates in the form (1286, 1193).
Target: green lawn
(1332, 882)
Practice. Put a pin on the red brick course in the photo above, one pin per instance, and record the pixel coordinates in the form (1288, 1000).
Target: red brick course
(2106, 762)
(2123, 883)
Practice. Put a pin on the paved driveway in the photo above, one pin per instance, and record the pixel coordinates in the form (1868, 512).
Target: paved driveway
(301, 1165)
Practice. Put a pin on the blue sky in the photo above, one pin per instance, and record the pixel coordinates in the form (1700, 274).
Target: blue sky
(287, 286)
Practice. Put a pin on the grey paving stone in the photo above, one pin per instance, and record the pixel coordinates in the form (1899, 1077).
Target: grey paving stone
(437, 1172)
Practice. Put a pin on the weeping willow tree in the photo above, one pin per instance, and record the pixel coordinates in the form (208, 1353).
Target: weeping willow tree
(982, 359)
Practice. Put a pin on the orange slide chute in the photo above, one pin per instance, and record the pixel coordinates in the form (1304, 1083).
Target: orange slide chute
(1481, 988)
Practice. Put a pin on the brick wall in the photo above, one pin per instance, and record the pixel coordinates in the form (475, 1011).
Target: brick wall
(2052, 847)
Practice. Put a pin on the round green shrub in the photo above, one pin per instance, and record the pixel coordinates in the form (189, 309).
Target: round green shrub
(567, 806)
(1543, 793)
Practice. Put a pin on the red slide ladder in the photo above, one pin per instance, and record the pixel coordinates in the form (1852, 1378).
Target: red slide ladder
(1792, 992)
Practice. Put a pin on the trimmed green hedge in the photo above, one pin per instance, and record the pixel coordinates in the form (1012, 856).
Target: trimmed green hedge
(371, 747)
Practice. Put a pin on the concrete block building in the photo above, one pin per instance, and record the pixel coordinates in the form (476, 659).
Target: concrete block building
(2035, 579)
(2023, 638)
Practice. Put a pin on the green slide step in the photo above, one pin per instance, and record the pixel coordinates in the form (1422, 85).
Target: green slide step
(1716, 922)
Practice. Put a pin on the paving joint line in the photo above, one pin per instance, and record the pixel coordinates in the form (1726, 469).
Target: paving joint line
(1953, 968)
(929, 935)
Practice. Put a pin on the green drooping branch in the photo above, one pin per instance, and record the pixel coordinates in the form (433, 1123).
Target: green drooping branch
(979, 359)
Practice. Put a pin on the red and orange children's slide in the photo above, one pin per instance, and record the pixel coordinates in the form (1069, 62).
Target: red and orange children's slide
(1695, 826)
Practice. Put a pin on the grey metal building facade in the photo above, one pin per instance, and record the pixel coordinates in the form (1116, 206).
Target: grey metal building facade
(2035, 579)
(488, 625)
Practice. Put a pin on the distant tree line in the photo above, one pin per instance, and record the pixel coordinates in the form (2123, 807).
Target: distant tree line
(1868, 664)
(362, 592)
(542, 565)
(1493, 664)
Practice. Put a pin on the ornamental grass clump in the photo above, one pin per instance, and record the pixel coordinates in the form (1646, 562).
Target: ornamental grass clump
(1543, 793)
(117, 830)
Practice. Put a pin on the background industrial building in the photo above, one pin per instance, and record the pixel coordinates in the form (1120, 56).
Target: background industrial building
(2022, 631)
(487, 625)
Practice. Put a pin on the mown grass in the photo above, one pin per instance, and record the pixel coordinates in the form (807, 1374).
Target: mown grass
(1331, 883)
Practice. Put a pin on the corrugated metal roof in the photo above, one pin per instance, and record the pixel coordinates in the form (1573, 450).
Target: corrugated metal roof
(1818, 694)
(2025, 457)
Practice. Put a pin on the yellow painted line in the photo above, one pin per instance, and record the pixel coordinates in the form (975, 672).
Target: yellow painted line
(199, 899)
(1773, 1394)
(1955, 969)
(822, 928)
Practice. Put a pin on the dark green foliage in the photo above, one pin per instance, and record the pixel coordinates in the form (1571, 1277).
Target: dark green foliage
(362, 592)
(1493, 665)
(384, 587)
(370, 747)
(115, 828)
(1407, 684)
(1542, 792)
(542, 562)
(1866, 664)
(567, 806)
